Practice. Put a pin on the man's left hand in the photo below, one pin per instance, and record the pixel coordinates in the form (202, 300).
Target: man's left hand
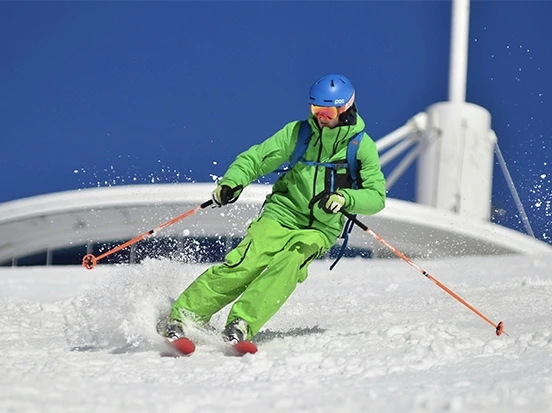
(332, 203)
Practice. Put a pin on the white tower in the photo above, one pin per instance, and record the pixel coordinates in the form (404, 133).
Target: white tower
(456, 168)
(454, 140)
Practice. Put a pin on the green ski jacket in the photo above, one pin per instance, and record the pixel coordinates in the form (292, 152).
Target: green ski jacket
(290, 202)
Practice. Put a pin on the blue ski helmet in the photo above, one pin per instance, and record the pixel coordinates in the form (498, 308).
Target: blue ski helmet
(332, 90)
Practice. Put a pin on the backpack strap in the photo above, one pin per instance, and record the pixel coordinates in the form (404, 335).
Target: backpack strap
(303, 138)
(352, 149)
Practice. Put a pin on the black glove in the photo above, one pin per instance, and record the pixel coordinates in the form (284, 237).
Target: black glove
(223, 195)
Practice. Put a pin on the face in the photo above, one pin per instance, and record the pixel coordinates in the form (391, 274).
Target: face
(324, 122)
(327, 117)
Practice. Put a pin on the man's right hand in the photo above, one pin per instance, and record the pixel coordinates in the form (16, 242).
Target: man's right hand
(222, 195)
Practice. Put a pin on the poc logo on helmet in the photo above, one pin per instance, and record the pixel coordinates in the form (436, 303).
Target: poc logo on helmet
(339, 101)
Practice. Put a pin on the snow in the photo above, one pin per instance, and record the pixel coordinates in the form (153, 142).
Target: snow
(372, 335)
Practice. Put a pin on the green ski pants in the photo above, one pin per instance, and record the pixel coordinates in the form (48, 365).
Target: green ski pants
(263, 271)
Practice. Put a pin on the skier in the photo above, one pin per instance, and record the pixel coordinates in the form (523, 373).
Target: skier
(300, 220)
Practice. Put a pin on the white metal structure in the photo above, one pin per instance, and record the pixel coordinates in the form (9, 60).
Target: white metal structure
(75, 218)
(453, 142)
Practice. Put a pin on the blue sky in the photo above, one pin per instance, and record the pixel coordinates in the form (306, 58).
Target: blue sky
(113, 93)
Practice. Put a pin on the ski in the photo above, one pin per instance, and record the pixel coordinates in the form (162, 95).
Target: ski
(184, 347)
(244, 347)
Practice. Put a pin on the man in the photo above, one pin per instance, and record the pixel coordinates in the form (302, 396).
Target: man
(300, 220)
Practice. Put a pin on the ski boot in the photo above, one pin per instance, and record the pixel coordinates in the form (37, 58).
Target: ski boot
(174, 331)
(235, 332)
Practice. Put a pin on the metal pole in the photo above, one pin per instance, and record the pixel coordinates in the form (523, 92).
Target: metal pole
(394, 137)
(459, 50)
(513, 191)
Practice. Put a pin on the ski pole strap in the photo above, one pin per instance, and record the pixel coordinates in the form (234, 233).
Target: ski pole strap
(346, 231)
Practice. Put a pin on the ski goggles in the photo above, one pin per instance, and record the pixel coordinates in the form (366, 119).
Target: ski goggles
(328, 112)
(331, 112)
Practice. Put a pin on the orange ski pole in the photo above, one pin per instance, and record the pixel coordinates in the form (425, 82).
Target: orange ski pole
(499, 328)
(89, 261)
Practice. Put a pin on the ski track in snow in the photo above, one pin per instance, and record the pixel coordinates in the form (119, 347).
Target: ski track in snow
(369, 336)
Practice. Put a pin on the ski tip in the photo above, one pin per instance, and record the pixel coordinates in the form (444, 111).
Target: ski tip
(184, 346)
(245, 347)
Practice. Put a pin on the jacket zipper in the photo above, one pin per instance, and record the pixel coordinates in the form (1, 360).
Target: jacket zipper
(311, 213)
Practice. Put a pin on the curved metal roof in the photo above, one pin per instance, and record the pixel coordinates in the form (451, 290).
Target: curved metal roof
(65, 219)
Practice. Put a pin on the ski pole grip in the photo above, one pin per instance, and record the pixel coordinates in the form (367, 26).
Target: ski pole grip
(354, 219)
(237, 188)
(234, 199)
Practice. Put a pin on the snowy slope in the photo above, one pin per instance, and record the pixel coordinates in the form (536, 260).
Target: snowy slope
(369, 336)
